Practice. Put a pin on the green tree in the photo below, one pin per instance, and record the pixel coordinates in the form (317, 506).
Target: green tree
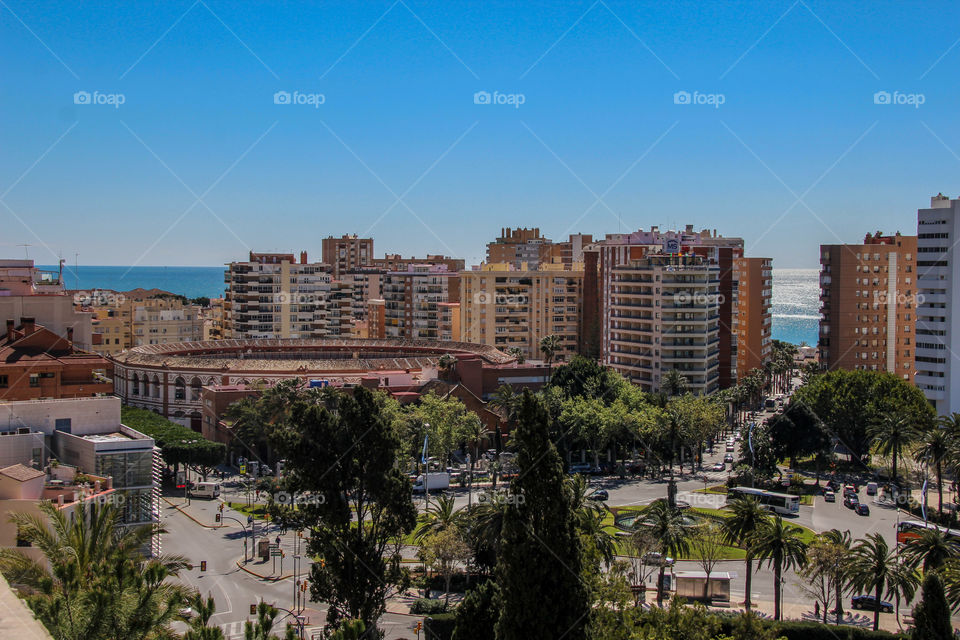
(932, 548)
(822, 558)
(476, 616)
(450, 423)
(549, 345)
(871, 567)
(935, 447)
(797, 433)
(200, 627)
(902, 585)
(666, 526)
(707, 546)
(587, 378)
(343, 451)
(94, 583)
(780, 545)
(673, 383)
(261, 628)
(444, 550)
(540, 561)
(931, 617)
(892, 434)
(439, 516)
(517, 353)
(840, 574)
(747, 516)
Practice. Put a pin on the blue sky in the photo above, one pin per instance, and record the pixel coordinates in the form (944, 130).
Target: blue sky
(199, 164)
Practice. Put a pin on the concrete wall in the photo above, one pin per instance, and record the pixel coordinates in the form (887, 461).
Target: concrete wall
(88, 415)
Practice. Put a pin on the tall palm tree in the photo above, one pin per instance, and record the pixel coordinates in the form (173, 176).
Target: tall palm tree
(674, 382)
(506, 402)
(549, 345)
(872, 567)
(841, 571)
(936, 447)
(892, 433)
(902, 585)
(517, 353)
(666, 526)
(779, 544)
(747, 516)
(932, 548)
(475, 433)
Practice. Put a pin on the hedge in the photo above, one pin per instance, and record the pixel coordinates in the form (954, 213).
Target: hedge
(428, 606)
(795, 630)
(178, 444)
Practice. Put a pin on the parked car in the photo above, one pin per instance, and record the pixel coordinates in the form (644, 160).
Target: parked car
(829, 496)
(719, 466)
(728, 457)
(600, 495)
(849, 490)
(730, 448)
(580, 467)
(871, 488)
(654, 558)
(851, 502)
(862, 509)
(870, 604)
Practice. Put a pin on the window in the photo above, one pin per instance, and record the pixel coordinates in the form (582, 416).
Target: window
(63, 424)
(4, 382)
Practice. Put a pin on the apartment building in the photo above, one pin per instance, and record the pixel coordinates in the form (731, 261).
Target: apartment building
(412, 298)
(395, 262)
(509, 307)
(450, 320)
(37, 363)
(29, 292)
(346, 252)
(664, 314)
(519, 247)
(868, 311)
(212, 319)
(938, 272)
(272, 295)
(602, 257)
(87, 434)
(751, 342)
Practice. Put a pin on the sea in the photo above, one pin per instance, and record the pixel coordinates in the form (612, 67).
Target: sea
(795, 291)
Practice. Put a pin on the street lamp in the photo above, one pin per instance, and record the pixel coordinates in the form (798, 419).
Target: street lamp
(244, 534)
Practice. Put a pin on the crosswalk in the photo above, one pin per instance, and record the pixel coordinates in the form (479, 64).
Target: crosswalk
(233, 630)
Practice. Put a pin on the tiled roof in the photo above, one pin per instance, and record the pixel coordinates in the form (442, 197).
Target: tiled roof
(21, 473)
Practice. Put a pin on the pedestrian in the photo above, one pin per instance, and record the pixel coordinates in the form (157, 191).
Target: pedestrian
(816, 610)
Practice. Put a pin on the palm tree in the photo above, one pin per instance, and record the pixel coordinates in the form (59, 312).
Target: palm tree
(779, 543)
(475, 433)
(666, 526)
(506, 402)
(936, 447)
(549, 345)
(517, 353)
(841, 571)
(95, 582)
(902, 585)
(892, 433)
(674, 382)
(747, 516)
(872, 567)
(589, 514)
(932, 548)
(440, 515)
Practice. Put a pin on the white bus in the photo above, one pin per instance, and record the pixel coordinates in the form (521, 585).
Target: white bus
(779, 502)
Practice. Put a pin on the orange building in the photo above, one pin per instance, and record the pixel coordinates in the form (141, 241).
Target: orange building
(868, 304)
(37, 363)
(752, 321)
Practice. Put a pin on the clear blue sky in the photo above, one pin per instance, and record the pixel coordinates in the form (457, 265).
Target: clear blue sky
(598, 80)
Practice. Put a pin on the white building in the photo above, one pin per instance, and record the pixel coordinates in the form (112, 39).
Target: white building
(938, 323)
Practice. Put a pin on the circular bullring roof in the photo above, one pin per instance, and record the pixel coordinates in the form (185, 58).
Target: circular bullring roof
(308, 355)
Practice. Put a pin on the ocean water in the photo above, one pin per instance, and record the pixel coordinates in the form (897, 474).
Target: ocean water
(795, 302)
(796, 305)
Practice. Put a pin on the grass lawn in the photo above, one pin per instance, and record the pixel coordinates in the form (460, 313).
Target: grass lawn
(258, 511)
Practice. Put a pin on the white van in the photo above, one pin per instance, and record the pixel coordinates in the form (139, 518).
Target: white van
(871, 488)
(210, 490)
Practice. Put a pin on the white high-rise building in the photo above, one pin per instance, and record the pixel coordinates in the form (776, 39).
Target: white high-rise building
(938, 323)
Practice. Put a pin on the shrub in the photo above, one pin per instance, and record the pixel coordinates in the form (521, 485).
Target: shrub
(428, 606)
(439, 626)
(792, 630)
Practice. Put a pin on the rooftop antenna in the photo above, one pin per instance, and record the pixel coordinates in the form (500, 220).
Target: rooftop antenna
(24, 245)
(76, 268)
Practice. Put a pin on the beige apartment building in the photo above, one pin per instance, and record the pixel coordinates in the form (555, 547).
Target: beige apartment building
(507, 307)
(664, 314)
(412, 300)
(29, 292)
(868, 304)
(212, 318)
(526, 248)
(123, 320)
(752, 344)
(346, 252)
(396, 262)
(272, 295)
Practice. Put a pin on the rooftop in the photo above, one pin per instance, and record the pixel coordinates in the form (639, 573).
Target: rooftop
(21, 473)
